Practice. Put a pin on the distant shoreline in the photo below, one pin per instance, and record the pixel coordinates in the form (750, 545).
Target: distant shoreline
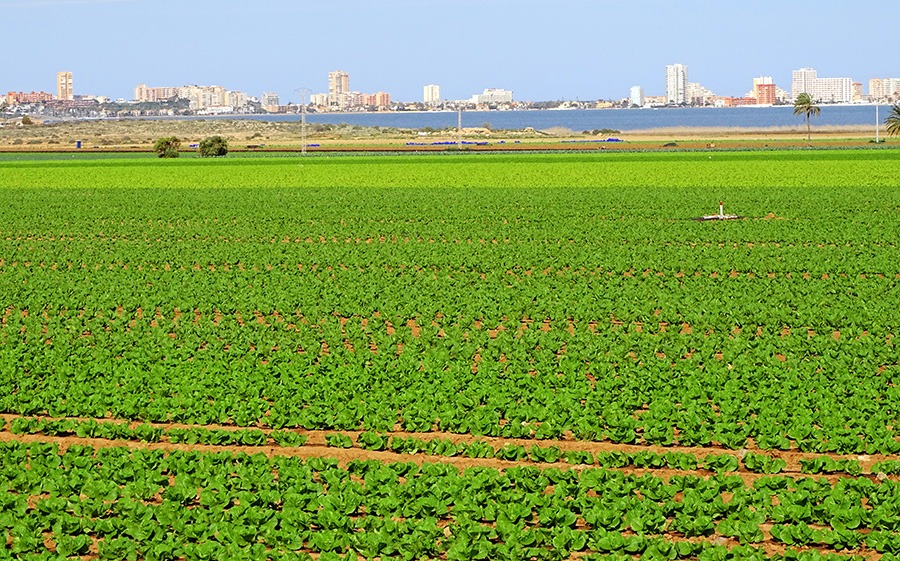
(764, 118)
(137, 134)
(755, 131)
(693, 131)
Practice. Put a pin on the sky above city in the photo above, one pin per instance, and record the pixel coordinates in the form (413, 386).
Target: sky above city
(541, 50)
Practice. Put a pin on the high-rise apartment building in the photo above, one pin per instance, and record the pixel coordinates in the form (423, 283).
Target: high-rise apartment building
(382, 99)
(698, 94)
(338, 89)
(432, 94)
(766, 94)
(270, 101)
(235, 99)
(144, 93)
(876, 89)
(892, 87)
(199, 97)
(676, 84)
(803, 81)
(834, 90)
(884, 88)
(761, 81)
(64, 89)
(493, 95)
(636, 96)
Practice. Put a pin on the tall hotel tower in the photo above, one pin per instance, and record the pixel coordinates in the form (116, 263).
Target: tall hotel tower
(64, 86)
(338, 88)
(676, 84)
(803, 81)
(432, 94)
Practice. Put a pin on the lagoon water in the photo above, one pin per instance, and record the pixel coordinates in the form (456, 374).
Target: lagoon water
(590, 119)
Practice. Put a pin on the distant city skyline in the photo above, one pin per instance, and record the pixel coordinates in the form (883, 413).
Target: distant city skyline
(589, 50)
(216, 99)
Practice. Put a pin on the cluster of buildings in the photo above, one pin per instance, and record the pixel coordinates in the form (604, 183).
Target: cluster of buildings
(681, 92)
(339, 98)
(65, 98)
(211, 100)
(204, 100)
(65, 91)
(214, 100)
(884, 89)
(488, 98)
(197, 99)
(829, 90)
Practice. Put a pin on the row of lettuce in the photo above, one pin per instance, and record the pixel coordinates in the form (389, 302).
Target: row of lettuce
(92, 279)
(444, 447)
(624, 387)
(290, 281)
(152, 504)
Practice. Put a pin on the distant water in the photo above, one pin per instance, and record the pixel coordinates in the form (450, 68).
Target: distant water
(590, 119)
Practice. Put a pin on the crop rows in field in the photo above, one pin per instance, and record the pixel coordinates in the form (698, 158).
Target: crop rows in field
(780, 389)
(499, 367)
(459, 449)
(157, 505)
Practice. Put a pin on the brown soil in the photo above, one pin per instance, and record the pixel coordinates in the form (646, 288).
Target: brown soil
(316, 447)
(346, 455)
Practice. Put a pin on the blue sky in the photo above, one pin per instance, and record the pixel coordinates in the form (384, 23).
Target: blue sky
(542, 50)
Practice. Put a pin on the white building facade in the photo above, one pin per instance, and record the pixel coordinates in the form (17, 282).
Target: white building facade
(339, 89)
(884, 89)
(636, 96)
(698, 94)
(676, 84)
(803, 81)
(216, 98)
(493, 95)
(431, 94)
(270, 101)
(830, 90)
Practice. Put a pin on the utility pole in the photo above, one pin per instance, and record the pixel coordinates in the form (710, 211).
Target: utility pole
(303, 93)
(459, 127)
(877, 122)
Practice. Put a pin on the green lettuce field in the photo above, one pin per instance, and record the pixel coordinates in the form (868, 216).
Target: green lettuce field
(451, 357)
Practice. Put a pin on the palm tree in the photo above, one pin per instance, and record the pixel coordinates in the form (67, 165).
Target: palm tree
(804, 105)
(893, 120)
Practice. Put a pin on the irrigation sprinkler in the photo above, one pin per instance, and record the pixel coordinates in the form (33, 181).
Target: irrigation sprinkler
(720, 216)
